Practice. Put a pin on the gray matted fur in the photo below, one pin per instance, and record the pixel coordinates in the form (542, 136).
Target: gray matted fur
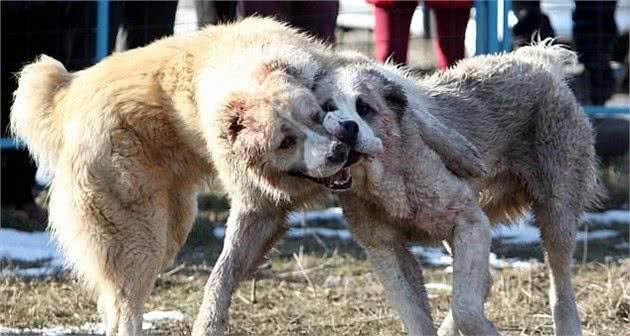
(534, 142)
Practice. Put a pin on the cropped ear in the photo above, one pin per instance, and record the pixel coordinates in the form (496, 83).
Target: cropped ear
(395, 97)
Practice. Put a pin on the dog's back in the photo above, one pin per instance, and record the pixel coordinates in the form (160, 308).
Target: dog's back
(519, 111)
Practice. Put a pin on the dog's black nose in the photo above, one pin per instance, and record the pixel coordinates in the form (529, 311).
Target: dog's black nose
(349, 132)
(338, 154)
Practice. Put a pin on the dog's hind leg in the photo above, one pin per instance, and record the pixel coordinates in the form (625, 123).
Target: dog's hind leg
(113, 238)
(249, 235)
(471, 249)
(558, 226)
(123, 298)
(400, 274)
(562, 186)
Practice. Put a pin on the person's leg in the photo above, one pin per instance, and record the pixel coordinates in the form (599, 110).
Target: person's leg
(531, 20)
(594, 32)
(391, 31)
(278, 9)
(316, 17)
(214, 12)
(450, 34)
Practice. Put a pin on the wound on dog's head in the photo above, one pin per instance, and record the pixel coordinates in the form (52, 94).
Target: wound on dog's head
(263, 72)
(235, 109)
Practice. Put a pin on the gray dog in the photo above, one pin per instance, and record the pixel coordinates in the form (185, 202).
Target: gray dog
(535, 145)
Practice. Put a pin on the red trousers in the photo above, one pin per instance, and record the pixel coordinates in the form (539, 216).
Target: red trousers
(391, 32)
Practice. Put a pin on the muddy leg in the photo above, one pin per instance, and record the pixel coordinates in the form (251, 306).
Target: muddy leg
(122, 301)
(400, 274)
(448, 327)
(471, 249)
(558, 233)
(249, 235)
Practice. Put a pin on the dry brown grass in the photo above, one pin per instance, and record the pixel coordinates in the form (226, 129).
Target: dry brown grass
(292, 300)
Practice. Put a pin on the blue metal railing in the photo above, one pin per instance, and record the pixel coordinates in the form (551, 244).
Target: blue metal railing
(489, 38)
(102, 29)
(487, 22)
(592, 110)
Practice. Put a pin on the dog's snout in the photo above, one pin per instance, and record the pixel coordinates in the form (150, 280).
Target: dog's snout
(338, 153)
(349, 132)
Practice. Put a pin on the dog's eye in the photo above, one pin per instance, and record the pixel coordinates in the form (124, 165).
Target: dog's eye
(288, 142)
(329, 106)
(363, 109)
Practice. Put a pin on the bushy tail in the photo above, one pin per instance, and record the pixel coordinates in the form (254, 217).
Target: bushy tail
(34, 122)
(556, 59)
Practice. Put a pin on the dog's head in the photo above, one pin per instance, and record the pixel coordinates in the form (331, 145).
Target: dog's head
(362, 95)
(385, 103)
(271, 130)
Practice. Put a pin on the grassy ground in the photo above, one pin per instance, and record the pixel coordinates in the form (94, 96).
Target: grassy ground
(324, 287)
(333, 295)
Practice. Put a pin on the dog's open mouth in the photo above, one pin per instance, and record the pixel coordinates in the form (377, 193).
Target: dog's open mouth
(340, 181)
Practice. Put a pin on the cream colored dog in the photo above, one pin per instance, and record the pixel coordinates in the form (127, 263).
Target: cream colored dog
(130, 140)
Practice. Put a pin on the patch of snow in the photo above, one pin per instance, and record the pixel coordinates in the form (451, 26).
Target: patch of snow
(158, 316)
(323, 232)
(516, 234)
(52, 331)
(432, 255)
(623, 246)
(295, 233)
(33, 272)
(595, 235)
(438, 257)
(499, 263)
(438, 286)
(607, 217)
(296, 218)
(28, 246)
(94, 328)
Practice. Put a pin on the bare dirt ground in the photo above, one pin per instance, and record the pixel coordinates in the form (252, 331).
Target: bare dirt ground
(333, 295)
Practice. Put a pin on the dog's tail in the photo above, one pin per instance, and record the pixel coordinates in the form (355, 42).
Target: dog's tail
(555, 58)
(34, 121)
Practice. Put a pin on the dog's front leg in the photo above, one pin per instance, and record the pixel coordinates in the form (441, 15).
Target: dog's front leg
(397, 269)
(404, 286)
(249, 235)
(471, 249)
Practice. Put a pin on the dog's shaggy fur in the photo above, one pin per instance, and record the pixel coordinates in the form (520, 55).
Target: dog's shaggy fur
(535, 143)
(130, 140)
